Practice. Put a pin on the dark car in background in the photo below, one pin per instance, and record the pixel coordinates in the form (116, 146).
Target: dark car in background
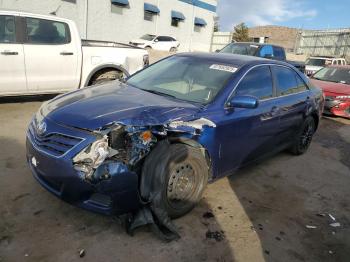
(166, 131)
(335, 83)
(261, 50)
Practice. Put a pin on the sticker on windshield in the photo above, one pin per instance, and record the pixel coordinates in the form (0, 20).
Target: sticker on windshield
(223, 68)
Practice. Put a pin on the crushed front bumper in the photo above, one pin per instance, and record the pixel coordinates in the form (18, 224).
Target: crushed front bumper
(116, 195)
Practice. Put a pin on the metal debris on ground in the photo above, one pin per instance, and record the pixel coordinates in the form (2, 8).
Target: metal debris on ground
(82, 253)
(332, 217)
(311, 227)
(335, 224)
(217, 235)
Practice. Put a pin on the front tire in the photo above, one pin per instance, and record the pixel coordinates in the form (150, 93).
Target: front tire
(106, 76)
(304, 136)
(179, 176)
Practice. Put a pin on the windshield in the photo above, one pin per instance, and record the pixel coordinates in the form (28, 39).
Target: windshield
(148, 37)
(240, 49)
(317, 62)
(334, 74)
(186, 78)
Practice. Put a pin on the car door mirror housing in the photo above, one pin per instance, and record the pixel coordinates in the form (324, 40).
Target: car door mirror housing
(243, 102)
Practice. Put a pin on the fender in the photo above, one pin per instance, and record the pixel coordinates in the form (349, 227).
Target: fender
(103, 66)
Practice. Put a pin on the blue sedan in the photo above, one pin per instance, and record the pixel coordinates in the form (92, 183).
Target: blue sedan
(162, 134)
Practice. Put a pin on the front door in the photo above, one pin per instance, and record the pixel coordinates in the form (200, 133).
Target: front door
(51, 56)
(247, 134)
(12, 69)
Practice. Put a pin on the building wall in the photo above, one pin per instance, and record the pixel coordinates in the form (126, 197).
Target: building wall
(100, 20)
(279, 35)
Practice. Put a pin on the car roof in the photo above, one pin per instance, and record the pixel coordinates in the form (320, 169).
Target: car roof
(232, 59)
(257, 44)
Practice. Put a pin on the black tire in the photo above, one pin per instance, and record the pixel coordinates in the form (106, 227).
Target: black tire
(173, 50)
(106, 76)
(304, 136)
(148, 48)
(169, 169)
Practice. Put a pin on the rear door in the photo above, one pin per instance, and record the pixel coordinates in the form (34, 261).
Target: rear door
(292, 103)
(12, 69)
(51, 57)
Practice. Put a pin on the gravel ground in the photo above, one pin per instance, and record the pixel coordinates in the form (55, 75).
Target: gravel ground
(258, 214)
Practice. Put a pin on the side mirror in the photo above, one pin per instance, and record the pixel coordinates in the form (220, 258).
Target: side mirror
(243, 102)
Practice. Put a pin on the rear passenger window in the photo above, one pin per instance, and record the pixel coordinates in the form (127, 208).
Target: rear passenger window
(288, 82)
(7, 29)
(40, 31)
(258, 83)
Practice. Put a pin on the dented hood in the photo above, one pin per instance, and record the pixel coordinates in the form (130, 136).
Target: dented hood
(95, 107)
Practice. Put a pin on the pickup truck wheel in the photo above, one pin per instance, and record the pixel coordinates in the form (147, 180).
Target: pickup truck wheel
(179, 176)
(304, 136)
(173, 50)
(106, 76)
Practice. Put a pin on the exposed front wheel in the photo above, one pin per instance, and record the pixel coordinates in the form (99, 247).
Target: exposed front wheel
(179, 175)
(173, 50)
(304, 137)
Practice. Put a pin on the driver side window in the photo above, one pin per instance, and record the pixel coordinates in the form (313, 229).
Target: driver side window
(258, 83)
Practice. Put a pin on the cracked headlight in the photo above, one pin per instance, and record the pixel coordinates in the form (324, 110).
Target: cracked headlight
(91, 157)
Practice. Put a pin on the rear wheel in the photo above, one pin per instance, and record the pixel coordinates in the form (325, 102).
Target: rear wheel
(106, 76)
(304, 137)
(179, 176)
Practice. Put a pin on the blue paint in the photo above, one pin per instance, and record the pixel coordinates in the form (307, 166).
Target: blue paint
(151, 8)
(201, 4)
(177, 15)
(199, 21)
(120, 2)
(238, 136)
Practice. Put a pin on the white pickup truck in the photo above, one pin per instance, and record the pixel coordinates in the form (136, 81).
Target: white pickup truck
(44, 54)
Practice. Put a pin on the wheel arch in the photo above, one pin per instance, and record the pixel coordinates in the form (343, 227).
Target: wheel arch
(103, 67)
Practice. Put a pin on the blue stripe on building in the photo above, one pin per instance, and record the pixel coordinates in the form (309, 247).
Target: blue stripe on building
(201, 4)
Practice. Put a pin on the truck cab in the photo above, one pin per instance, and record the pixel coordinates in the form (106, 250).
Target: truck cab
(44, 54)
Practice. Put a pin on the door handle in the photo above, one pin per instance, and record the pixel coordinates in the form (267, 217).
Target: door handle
(66, 53)
(9, 53)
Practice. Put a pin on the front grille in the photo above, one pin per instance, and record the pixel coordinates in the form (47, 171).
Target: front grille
(52, 143)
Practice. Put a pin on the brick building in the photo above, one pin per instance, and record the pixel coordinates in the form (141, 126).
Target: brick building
(279, 35)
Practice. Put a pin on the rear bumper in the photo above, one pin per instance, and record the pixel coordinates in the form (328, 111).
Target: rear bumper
(116, 195)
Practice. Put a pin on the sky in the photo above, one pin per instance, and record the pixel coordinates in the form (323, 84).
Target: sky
(305, 14)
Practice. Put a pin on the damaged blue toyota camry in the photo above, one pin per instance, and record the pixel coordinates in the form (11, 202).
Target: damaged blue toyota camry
(158, 137)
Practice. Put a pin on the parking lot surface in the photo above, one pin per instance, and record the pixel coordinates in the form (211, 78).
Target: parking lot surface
(275, 209)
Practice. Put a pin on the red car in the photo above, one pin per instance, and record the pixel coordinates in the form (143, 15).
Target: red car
(335, 83)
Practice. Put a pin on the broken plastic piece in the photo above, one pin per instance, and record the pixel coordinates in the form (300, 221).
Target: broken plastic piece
(332, 217)
(82, 253)
(335, 224)
(311, 227)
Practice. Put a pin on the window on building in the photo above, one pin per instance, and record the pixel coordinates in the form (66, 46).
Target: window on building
(258, 83)
(7, 29)
(148, 16)
(175, 22)
(40, 31)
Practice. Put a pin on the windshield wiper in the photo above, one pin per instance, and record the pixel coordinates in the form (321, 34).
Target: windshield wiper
(158, 93)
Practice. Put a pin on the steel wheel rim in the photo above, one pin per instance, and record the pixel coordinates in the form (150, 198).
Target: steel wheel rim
(182, 184)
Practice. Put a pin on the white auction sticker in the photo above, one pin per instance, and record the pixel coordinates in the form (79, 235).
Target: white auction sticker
(223, 68)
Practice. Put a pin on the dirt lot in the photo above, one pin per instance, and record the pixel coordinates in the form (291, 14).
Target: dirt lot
(260, 212)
